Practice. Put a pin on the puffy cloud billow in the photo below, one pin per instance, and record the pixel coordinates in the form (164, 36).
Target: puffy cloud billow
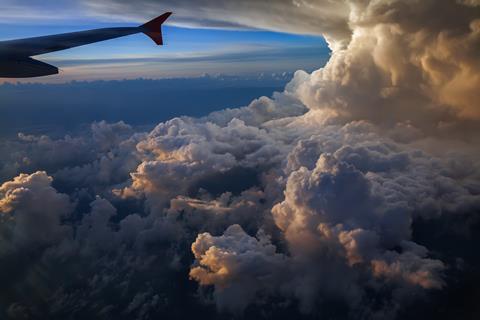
(355, 193)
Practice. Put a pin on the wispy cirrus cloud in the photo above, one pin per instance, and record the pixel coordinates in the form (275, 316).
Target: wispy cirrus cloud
(240, 59)
(230, 54)
(25, 12)
(312, 17)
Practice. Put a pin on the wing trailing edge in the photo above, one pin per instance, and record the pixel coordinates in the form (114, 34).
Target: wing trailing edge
(25, 68)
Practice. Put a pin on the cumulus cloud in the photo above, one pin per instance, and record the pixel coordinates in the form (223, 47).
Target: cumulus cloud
(238, 265)
(309, 201)
(180, 152)
(102, 155)
(409, 62)
(31, 212)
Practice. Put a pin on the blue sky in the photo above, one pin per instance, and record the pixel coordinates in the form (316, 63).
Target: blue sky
(188, 52)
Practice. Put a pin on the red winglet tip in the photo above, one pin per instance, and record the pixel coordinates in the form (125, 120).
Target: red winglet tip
(154, 28)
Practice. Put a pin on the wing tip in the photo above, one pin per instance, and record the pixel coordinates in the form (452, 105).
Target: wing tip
(153, 28)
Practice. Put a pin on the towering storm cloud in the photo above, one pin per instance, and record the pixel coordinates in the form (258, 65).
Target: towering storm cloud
(355, 193)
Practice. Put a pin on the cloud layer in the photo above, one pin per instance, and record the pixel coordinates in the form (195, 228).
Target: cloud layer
(311, 202)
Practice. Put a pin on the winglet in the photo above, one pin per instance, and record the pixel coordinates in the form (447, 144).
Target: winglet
(153, 28)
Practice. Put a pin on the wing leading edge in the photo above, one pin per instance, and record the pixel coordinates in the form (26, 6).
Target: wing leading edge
(15, 54)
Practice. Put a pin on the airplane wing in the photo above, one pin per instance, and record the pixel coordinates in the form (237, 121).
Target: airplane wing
(25, 68)
(18, 52)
